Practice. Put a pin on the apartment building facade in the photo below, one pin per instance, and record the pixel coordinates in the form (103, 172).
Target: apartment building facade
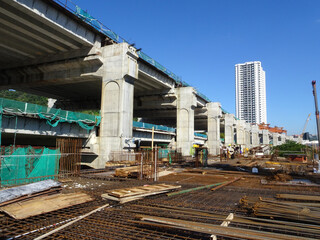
(251, 104)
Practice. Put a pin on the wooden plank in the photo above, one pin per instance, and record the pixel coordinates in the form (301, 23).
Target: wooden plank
(130, 194)
(224, 224)
(126, 192)
(40, 205)
(26, 197)
(132, 198)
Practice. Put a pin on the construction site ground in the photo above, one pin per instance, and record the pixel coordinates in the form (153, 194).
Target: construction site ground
(118, 221)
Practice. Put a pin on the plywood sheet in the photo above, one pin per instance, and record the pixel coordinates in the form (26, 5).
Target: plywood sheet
(44, 204)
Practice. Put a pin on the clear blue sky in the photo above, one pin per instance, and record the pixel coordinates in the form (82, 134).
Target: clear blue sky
(202, 40)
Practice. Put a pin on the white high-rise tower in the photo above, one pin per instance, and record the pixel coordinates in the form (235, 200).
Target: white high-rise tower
(251, 104)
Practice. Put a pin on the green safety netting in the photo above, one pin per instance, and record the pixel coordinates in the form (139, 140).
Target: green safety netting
(25, 165)
(85, 16)
(52, 115)
(166, 153)
(150, 126)
(1, 100)
(160, 67)
(200, 135)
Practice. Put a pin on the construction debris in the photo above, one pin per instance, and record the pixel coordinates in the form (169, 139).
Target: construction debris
(225, 184)
(193, 213)
(28, 191)
(223, 231)
(280, 177)
(300, 198)
(195, 189)
(127, 172)
(130, 194)
(44, 204)
(293, 211)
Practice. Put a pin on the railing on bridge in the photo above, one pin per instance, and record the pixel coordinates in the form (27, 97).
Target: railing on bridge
(86, 17)
(150, 126)
(160, 67)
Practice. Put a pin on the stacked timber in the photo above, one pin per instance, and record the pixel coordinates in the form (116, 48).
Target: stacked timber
(126, 172)
(130, 194)
(132, 171)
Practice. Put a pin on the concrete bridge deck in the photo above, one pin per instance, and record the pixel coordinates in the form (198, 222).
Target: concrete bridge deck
(48, 50)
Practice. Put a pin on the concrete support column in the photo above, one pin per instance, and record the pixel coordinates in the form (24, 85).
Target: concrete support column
(119, 71)
(255, 135)
(240, 132)
(214, 115)
(186, 102)
(247, 137)
(228, 129)
(265, 137)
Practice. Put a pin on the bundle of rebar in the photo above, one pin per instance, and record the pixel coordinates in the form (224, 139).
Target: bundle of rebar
(293, 211)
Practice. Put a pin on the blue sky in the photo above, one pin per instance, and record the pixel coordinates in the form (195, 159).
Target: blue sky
(202, 40)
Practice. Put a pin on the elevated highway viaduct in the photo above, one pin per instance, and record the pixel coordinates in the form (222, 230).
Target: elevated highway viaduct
(48, 50)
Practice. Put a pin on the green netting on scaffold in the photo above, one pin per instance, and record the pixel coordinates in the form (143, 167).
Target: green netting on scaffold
(150, 126)
(85, 16)
(52, 115)
(200, 135)
(165, 153)
(28, 164)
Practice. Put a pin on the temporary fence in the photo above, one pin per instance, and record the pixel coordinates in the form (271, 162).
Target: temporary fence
(124, 157)
(70, 161)
(148, 165)
(27, 164)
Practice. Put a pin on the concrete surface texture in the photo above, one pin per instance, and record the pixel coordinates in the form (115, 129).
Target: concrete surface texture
(214, 115)
(186, 102)
(47, 51)
(229, 129)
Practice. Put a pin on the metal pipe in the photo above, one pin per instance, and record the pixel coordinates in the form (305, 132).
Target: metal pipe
(194, 189)
(317, 110)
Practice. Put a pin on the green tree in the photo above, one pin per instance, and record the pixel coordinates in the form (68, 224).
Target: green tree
(24, 97)
(290, 147)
